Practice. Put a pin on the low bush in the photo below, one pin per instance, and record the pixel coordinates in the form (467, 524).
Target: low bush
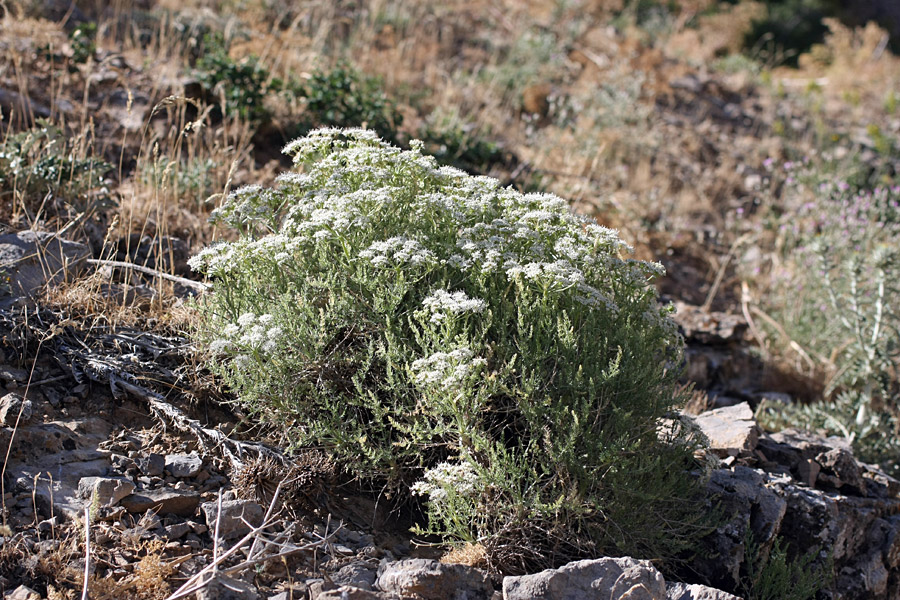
(835, 290)
(240, 87)
(442, 336)
(45, 172)
(773, 575)
(344, 97)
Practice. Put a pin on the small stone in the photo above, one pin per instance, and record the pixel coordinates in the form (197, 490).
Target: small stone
(222, 587)
(151, 465)
(165, 500)
(732, 431)
(183, 465)
(236, 519)
(48, 525)
(177, 531)
(11, 405)
(433, 580)
(202, 476)
(23, 593)
(104, 491)
(683, 591)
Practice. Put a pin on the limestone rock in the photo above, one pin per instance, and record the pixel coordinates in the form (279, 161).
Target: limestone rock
(183, 465)
(223, 587)
(433, 580)
(32, 259)
(732, 430)
(684, 591)
(23, 593)
(164, 500)
(601, 579)
(12, 408)
(236, 517)
(105, 491)
(356, 574)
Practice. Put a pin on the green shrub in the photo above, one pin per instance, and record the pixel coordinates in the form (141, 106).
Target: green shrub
(789, 29)
(773, 575)
(83, 39)
(439, 334)
(240, 86)
(343, 97)
(42, 169)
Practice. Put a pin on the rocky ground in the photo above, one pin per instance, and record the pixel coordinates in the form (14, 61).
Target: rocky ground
(106, 418)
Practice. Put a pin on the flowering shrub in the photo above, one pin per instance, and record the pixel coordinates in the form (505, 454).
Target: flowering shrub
(835, 290)
(487, 350)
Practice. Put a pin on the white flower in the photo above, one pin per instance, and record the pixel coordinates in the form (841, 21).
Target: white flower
(448, 370)
(231, 330)
(438, 482)
(398, 251)
(456, 302)
(219, 346)
(246, 320)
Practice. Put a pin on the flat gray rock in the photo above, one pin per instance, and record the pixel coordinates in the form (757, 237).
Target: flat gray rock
(732, 430)
(237, 517)
(164, 501)
(32, 259)
(684, 591)
(105, 491)
(433, 580)
(183, 465)
(600, 579)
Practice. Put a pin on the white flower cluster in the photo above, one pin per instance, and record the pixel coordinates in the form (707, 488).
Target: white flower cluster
(398, 251)
(247, 205)
(448, 370)
(357, 190)
(436, 483)
(250, 333)
(441, 303)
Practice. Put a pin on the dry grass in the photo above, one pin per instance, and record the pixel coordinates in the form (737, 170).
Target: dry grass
(473, 555)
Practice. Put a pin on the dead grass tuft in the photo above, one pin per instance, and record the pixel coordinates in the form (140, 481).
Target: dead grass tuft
(473, 555)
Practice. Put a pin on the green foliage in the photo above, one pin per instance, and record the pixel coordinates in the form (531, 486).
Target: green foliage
(343, 97)
(83, 43)
(191, 180)
(773, 576)
(789, 29)
(241, 86)
(838, 296)
(43, 169)
(460, 145)
(441, 335)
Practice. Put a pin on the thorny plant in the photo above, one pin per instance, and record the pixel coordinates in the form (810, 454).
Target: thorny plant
(422, 324)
